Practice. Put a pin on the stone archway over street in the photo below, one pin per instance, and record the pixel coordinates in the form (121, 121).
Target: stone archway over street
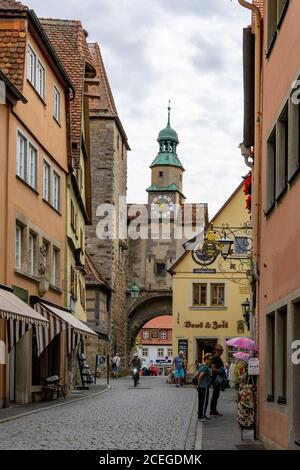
(145, 308)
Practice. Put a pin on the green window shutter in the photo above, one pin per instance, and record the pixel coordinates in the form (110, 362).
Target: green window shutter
(21, 293)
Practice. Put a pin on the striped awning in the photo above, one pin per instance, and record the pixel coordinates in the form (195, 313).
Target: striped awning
(43, 336)
(13, 308)
(60, 319)
(19, 315)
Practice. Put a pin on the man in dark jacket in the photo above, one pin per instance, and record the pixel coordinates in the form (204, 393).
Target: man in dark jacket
(216, 366)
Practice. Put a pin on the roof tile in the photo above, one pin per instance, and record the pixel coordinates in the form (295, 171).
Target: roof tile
(12, 49)
(102, 102)
(68, 38)
(12, 5)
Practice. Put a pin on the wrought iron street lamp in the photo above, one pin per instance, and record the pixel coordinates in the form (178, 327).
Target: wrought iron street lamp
(224, 246)
(246, 312)
(134, 290)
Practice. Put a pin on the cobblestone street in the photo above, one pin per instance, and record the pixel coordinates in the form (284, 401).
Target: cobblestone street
(154, 416)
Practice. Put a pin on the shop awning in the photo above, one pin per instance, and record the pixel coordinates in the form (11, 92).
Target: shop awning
(70, 320)
(61, 319)
(13, 308)
(19, 315)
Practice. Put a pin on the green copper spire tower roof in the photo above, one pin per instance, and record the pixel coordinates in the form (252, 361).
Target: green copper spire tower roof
(168, 141)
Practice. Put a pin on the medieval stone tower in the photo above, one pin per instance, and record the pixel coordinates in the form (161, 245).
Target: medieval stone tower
(109, 146)
(150, 259)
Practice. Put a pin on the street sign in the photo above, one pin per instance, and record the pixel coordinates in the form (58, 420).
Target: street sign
(253, 366)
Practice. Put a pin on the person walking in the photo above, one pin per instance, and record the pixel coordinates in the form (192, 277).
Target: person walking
(116, 363)
(217, 367)
(204, 382)
(178, 367)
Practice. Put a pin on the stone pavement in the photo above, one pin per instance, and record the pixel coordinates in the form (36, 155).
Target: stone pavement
(154, 415)
(223, 432)
(15, 411)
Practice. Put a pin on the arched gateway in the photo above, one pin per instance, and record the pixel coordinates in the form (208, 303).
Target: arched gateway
(151, 257)
(143, 309)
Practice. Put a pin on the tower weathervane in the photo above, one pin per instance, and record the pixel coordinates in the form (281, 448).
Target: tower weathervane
(169, 112)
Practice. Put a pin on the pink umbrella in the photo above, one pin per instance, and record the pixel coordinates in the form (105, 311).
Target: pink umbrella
(242, 355)
(242, 343)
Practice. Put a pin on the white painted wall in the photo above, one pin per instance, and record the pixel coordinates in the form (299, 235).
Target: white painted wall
(152, 357)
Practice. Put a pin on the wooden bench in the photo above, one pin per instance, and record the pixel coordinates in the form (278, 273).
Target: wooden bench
(53, 384)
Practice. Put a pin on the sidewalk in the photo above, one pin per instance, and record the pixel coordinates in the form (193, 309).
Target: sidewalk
(223, 432)
(17, 411)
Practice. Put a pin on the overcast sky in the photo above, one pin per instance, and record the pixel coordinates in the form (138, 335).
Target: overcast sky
(189, 51)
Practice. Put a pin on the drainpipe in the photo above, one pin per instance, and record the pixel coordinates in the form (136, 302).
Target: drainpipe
(256, 173)
(256, 191)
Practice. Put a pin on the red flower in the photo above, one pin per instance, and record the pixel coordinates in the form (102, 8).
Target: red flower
(248, 203)
(247, 184)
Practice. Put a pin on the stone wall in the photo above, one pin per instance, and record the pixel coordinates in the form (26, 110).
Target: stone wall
(109, 182)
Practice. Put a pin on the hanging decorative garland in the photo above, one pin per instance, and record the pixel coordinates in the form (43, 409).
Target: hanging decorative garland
(247, 190)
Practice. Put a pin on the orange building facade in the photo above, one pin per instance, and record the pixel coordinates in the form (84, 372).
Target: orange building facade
(276, 219)
(33, 184)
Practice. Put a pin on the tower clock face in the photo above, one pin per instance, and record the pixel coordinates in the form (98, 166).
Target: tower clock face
(163, 205)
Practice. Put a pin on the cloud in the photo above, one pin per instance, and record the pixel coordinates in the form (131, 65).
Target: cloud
(188, 51)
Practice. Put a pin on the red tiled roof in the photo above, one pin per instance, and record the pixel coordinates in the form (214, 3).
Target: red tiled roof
(12, 50)
(13, 41)
(93, 275)
(12, 5)
(68, 38)
(102, 100)
(164, 321)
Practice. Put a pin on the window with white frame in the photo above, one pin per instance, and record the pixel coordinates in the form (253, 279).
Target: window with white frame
(145, 352)
(26, 160)
(21, 156)
(18, 247)
(32, 166)
(40, 86)
(56, 104)
(145, 334)
(46, 181)
(170, 352)
(163, 335)
(31, 66)
(56, 191)
(55, 266)
(36, 72)
(160, 352)
(31, 254)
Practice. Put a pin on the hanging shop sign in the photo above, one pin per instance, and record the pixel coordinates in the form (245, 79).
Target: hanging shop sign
(214, 325)
(253, 366)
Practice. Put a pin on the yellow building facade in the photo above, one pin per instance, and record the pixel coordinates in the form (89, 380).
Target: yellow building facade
(207, 299)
